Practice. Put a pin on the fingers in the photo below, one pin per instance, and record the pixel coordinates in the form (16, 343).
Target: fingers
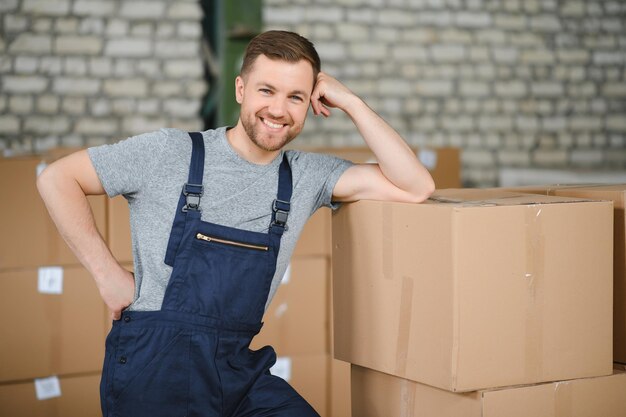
(317, 97)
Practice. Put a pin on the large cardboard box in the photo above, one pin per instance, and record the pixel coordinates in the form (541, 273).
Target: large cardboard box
(375, 394)
(52, 323)
(475, 288)
(29, 237)
(340, 405)
(309, 376)
(297, 320)
(617, 194)
(64, 396)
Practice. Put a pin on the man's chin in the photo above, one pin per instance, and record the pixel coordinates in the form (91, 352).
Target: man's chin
(272, 144)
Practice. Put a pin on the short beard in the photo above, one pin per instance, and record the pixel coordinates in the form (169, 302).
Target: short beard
(252, 134)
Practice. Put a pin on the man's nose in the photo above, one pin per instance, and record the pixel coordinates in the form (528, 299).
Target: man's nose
(277, 107)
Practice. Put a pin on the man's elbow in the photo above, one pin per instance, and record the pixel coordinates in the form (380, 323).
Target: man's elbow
(44, 180)
(425, 191)
(48, 180)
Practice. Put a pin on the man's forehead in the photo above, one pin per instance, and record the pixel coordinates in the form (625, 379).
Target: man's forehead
(264, 69)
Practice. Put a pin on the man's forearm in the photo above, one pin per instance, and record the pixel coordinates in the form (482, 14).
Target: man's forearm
(69, 209)
(396, 159)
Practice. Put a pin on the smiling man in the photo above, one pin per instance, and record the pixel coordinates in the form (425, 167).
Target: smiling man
(215, 216)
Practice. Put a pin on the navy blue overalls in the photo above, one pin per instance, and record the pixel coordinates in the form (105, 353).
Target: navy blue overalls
(192, 357)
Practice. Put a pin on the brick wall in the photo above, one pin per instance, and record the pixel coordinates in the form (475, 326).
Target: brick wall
(83, 72)
(514, 83)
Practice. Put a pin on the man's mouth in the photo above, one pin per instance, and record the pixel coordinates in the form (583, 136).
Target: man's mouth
(272, 125)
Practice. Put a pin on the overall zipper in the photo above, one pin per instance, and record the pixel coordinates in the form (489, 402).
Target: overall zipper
(200, 236)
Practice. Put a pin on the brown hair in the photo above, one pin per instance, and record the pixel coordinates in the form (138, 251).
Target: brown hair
(281, 45)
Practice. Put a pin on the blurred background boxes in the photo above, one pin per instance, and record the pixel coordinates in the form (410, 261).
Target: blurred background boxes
(297, 320)
(65, 396)
(30, 238)
(47, 333)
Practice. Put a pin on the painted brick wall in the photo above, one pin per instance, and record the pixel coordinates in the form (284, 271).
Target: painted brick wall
(513, 83)
(86, 72)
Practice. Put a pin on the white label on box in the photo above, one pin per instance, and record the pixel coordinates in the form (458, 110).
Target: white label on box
(282, 368)
(46, 388)
(286, 275)
(428, 158)
(280, 310)
(40, 167)
(50, 280)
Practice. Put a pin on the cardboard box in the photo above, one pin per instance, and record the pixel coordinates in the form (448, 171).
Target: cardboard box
(45, 333)
(79, 397)
(444, 164)
(375, 394)
(29, 237)
(315, 239)
(340, 404)
(475, 288)
(118, 229)
(309, 376)
(617, 194)
(297, 320)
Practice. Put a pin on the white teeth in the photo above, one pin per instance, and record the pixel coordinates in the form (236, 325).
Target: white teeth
(272, 125)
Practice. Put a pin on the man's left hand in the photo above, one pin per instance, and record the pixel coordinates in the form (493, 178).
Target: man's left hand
(329, 92)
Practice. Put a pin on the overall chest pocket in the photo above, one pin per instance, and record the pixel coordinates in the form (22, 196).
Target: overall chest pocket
(227, 277)
(229, 243)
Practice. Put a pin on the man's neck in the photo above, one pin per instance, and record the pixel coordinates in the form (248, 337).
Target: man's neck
(246, 149)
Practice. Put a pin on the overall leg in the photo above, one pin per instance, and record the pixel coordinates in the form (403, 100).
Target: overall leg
(272, 396)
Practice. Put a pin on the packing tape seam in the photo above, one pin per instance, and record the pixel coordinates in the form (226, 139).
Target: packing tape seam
(534, 276)
(563, 399)
(387, 237)
(404, 325)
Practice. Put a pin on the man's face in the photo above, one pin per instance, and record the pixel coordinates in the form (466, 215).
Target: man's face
(274, 99)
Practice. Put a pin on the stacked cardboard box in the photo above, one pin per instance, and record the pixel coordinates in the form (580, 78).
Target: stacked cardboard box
(52, 309)
(376, 394)
(617, 194)
(473, 290)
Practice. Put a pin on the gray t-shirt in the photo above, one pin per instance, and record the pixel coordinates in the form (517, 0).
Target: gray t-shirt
(150, 170)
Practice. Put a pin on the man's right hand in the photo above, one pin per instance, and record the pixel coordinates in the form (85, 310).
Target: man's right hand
(64, 186)
(117, 291)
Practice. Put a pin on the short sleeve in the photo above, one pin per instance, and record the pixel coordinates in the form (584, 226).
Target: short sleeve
(123, 167)
(326, 169)
(339, 167)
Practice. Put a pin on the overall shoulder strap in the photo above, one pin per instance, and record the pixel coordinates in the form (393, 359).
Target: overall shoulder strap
(189, 201)
(282, 203)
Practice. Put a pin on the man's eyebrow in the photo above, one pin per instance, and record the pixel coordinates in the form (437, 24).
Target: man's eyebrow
(271, 87)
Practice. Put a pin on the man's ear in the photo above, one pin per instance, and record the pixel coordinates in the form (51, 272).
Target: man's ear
(239, 89)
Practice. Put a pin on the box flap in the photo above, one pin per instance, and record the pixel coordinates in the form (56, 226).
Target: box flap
(493, 197)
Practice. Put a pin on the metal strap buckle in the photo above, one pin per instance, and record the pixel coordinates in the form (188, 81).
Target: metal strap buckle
(280, 215)
(192, 199)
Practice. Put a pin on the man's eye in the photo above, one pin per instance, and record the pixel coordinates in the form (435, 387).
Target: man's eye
(297, 98)
(264, 90)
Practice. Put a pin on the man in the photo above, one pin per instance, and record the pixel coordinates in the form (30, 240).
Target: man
(212, 237)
